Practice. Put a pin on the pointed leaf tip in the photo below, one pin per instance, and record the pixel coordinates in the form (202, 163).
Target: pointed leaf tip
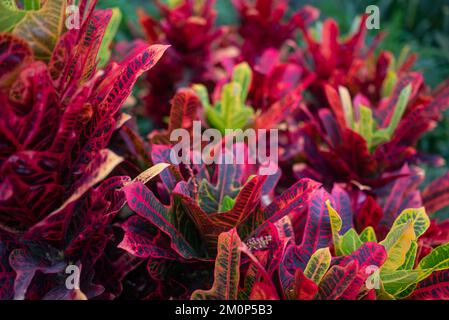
(160, 49)
(155, 51)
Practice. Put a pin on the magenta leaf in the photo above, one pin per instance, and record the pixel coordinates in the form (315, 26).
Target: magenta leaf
(142, 201)
(435, 287)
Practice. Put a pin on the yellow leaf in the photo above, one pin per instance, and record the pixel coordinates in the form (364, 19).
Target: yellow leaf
(41, 28)
(397, 243)
(318, 265)
(152, 172)
(336, 224)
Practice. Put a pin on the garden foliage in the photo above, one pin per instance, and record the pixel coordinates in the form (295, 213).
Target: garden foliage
(346, 216)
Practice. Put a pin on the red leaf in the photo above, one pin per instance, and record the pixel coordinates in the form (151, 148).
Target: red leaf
(293, 199)
(436, 194)
(184, 107)
(142, 201)
(435, 287)
(370, 214)
(317, 232)
(343, 205)
(369, 254)
(334, 101)
(337, 280)
(211, 225)
(263, 291)
(143, 240)
(14, 53)
(306, 289)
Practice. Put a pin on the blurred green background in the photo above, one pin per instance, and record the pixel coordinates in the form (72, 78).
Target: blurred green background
(421, 25)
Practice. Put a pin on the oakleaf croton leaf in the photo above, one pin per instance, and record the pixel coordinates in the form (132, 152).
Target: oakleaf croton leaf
(436, 287)
(185, 222)
(39, 26)
(185, 106)
(227, 270)
(88, 185)
(57, 122)
(142, 201)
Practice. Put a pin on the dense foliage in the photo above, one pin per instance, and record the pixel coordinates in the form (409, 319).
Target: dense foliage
(345, 216)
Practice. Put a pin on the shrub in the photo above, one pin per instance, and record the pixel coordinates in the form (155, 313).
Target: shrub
(345, 216)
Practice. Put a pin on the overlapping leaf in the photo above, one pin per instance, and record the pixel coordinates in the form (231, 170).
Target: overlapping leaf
(227, 273)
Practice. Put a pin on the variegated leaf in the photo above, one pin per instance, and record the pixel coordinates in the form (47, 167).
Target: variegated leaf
(227, 270)
(318, 265)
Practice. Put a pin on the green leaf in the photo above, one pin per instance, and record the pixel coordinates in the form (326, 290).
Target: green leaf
(437, 260)
(350, 242)
(408, 291)
(10, 15)
(410, 257)
(399, 109)
(346, 102)
(227, 270)
(40, 28)
(32, 4)
(368, 235)
(227, 204)
(214, 119)
(173, 3)
(380, 136)
(389, 83)
(395, 282)
(397, 243)
(202, 93)
(243, 76)
(230, 112)
(403, 55)
(212, 197)
(366, 125)
(104, 53)
(241, 118)
(336, 224)
(417, 217)
(397, 275)
(230, 99)
(406, 229)
(318, 265)
(382, 294)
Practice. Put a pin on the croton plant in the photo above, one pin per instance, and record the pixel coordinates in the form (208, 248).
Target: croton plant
(345, 216)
